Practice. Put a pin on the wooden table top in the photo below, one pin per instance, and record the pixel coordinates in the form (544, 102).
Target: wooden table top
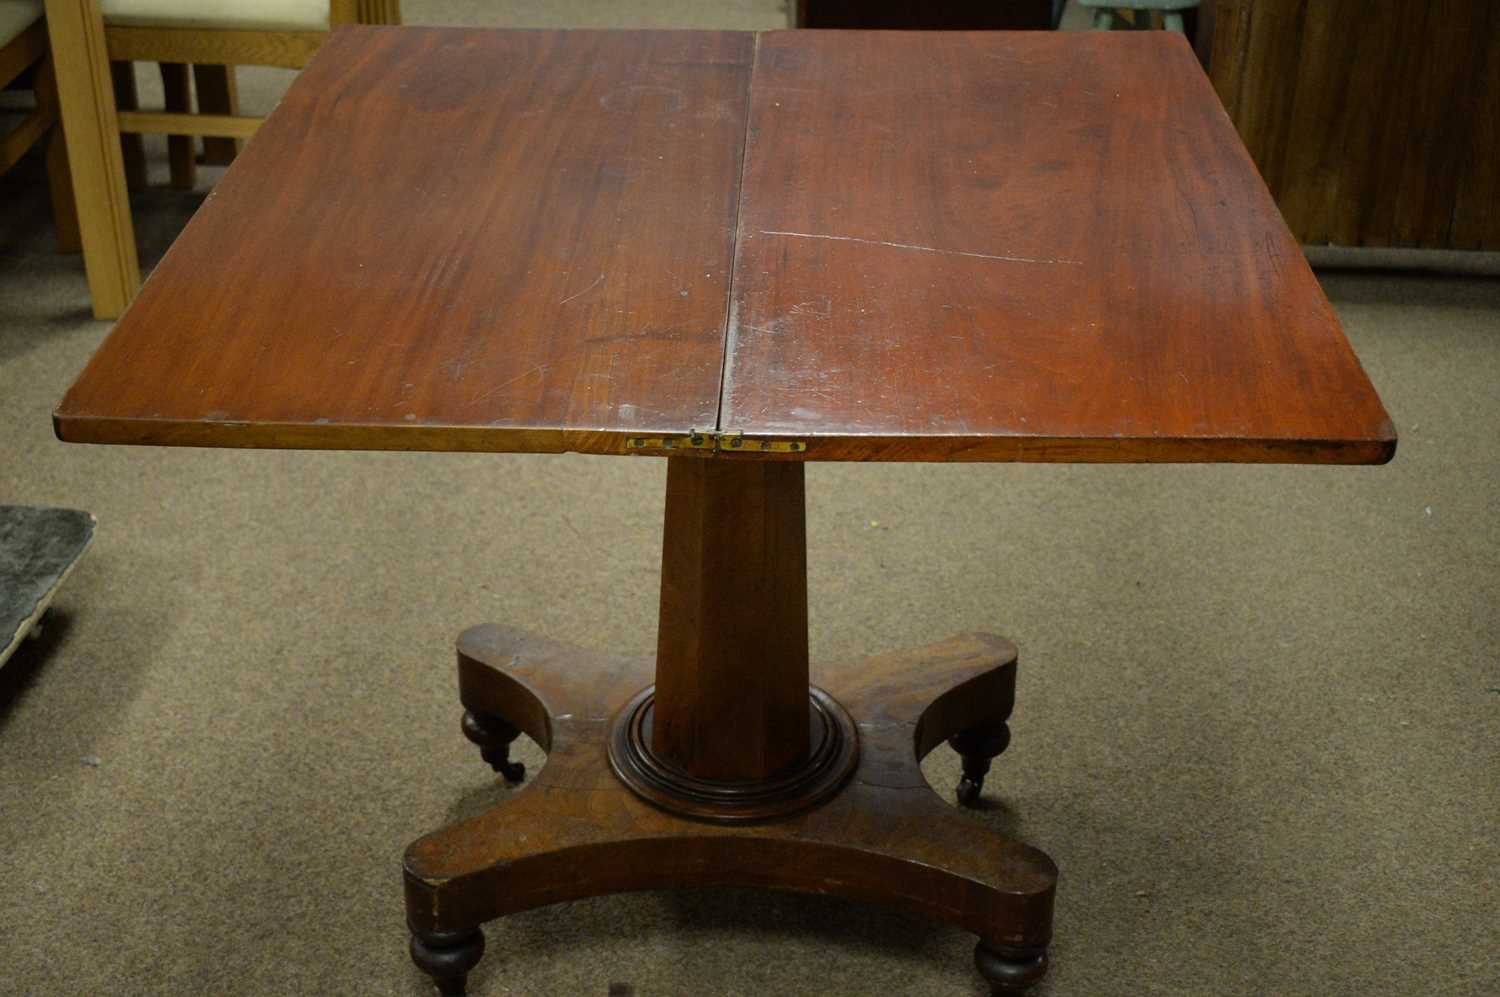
(859, 246)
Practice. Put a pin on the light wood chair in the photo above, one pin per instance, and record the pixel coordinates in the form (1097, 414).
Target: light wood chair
(23, 47)
(200, 33)
(200, 42)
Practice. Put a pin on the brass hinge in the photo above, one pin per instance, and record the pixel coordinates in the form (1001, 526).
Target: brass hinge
(707, 439)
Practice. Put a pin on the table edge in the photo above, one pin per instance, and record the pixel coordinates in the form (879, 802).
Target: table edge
(668, 442)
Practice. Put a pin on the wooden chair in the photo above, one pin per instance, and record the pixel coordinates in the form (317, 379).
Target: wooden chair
(23, 47)
(206, 33)
(206, 39)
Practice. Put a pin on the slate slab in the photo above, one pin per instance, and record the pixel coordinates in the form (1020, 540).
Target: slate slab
(38, 548)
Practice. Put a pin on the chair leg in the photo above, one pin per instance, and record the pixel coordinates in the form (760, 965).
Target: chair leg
(64, 206)
(122, 76)
(59, 176)
(379, 11)
(177, 84)
(75, 31)
(218, 93)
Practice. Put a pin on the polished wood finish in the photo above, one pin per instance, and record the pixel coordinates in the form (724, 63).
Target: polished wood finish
(1033, 246)
(86, 99)
(575, 831)
(730, 730)
(1019, 249)
(577, 302)
(1375, 124)
(809, 781)
(1093, 272)
(731, 651)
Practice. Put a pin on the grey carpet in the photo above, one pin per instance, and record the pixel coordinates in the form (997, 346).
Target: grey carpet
(1257, 719)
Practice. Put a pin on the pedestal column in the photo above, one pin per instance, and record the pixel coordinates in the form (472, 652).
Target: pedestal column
(732, 730)
(731, 646)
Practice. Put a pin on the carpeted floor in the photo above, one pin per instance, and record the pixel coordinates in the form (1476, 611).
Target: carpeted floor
(1257, 721)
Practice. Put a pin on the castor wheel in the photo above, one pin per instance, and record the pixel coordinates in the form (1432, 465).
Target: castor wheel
(494, 735)
(1010, 969)
(977, 746)
(447, 957)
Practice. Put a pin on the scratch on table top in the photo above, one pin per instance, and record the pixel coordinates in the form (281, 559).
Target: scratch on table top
(539, 368)
(596, 282)
(921, 249)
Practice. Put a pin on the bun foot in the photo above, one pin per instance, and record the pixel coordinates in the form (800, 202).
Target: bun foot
(1010, 969)
(447, 957)
(978, 746)
(494, 735)
(582, 831)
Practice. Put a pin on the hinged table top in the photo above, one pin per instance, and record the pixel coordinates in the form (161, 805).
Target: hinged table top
(889, 246)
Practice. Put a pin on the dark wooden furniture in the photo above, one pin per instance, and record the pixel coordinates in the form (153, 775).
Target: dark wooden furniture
(928, 15)
(731, 251)
(1375, 124)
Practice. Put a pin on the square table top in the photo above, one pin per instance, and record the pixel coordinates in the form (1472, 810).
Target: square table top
(802, 244)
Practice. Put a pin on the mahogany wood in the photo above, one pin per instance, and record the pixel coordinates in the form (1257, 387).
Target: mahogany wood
(450, 239)
(575, 831)
(832, 756)
(1029, 246)
(731, 652)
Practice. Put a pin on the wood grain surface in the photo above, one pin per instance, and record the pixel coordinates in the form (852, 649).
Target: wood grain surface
(449, 239)
(1031, 246)
(576, 830)
(950, 246)
(731, 646)
(1387, 136)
